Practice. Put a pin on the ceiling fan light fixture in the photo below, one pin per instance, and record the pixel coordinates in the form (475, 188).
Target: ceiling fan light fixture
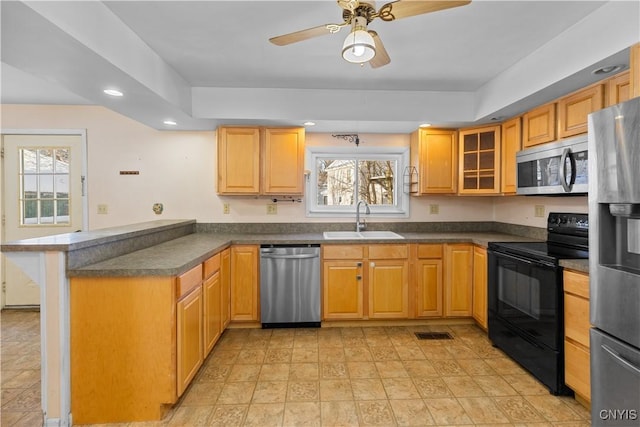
(358, 46)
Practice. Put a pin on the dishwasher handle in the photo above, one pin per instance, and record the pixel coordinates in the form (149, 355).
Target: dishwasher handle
(297, 256)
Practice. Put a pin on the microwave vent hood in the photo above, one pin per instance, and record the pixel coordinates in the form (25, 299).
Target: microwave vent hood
(554, 169)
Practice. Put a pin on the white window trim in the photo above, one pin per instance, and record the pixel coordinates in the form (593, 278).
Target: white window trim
(400, 154)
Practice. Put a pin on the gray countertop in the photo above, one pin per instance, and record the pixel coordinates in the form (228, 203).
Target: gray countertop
(581, 265)
(178, 255)
(80, 240)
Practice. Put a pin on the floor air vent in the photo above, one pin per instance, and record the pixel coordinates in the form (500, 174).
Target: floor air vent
(434, 336)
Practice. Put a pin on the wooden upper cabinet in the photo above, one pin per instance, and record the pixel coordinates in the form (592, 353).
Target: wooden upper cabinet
(539, 125)
(254, 160)
(238, 160)
(511, 142)
(434, 155)
(634, 70)
(479, 161)
(574, 109)
(618, 88)
(283, 161)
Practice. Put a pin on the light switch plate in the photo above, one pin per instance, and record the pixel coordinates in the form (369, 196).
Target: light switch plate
(539, 211)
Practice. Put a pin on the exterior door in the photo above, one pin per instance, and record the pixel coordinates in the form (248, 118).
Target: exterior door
(43, 179)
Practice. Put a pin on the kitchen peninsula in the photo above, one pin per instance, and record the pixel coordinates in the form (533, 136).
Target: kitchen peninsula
(139, 273)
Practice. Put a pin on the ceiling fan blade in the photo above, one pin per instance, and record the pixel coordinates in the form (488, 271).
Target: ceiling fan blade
(403, 9)
(309, 33)
(381, 57)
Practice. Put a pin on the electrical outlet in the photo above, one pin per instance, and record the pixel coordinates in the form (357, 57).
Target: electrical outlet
(226, 209)
(272, 209)
(103, 209)
(434, 209)
(539, 211)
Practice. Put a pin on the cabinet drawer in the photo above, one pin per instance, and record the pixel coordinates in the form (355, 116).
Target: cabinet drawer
(576, 319)
(576, 283)
(343, 251)
(576, 369)
(429, 251)
(189, 280)
(211, 265)
(388, 251)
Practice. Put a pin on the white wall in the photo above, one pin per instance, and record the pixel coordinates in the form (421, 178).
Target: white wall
(521, 209)
(178, 170)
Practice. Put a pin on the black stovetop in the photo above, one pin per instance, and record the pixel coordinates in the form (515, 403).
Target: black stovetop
(567, 238)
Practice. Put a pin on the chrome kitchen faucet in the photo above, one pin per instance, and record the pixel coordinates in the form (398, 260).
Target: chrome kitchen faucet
(361, 225)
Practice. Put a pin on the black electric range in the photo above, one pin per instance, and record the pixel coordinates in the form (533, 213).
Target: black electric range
(525, 301)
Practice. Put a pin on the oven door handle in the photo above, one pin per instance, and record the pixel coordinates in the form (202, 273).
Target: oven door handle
(523, 260)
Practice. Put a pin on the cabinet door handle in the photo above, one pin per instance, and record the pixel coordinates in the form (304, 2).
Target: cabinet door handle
(358, 264)
(358, 277)
(373, 264)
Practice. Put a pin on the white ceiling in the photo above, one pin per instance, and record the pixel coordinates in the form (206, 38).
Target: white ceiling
(205, 63)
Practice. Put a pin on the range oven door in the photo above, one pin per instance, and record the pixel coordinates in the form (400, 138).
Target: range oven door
(526, 315)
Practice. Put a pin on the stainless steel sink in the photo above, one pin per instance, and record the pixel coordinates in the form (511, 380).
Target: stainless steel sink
(352, 235)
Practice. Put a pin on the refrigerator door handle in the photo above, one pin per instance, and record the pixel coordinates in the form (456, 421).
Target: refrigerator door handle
(626, 363)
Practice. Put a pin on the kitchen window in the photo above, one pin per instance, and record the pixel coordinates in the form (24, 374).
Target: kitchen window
(338, 179)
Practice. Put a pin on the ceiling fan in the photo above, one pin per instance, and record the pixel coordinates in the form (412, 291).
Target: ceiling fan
(364, 45)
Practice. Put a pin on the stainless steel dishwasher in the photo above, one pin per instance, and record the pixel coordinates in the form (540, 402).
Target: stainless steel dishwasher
(290, 286)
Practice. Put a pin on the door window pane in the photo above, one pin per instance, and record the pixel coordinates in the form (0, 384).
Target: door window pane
(45, 160)
(45, 185)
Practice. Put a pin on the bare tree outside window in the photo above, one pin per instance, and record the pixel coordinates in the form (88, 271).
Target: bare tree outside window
(343, 182)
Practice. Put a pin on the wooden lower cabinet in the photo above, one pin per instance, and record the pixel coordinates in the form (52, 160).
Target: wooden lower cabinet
(389, 289)
(365, 281)
(123, 348)
(458, 282)
(428, 277)
(212, 300)
(480, 286)
(245, 291)
(342, 290)
(576, 333)
(225, 287)
(137, 342)
(190, 324)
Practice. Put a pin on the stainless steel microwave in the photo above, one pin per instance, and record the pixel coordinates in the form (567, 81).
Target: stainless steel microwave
(558, 168)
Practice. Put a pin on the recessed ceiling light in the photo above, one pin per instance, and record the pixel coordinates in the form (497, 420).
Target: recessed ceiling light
(170, 122)
(113, 92)
(425, 125)
(607, 69)
(309, 123)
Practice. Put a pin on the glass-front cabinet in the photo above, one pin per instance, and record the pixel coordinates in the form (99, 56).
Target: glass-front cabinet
(479, 167)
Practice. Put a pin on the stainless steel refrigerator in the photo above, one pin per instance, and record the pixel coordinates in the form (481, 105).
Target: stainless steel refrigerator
(614, 264)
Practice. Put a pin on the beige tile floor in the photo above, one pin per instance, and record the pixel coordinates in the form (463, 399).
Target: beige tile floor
(373, 376)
